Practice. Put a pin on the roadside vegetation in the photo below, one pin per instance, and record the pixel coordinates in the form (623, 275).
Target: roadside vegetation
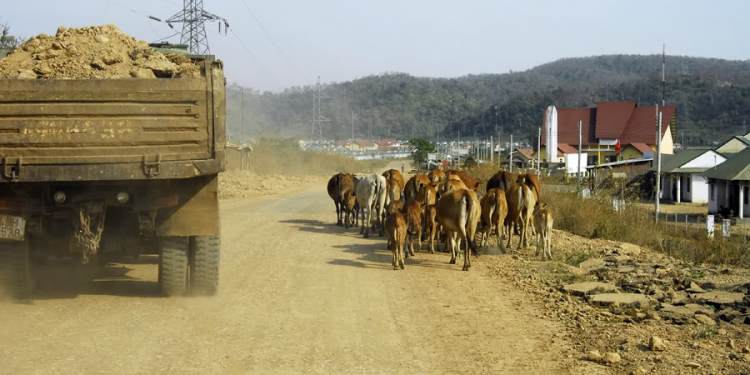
(595, 218)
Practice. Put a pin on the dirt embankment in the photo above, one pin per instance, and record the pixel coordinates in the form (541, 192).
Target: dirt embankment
(614, 297)
(245, 184)
(92, 52)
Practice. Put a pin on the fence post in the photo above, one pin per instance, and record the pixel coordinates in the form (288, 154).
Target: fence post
(686, 226)
(725, 228)
(710, 226)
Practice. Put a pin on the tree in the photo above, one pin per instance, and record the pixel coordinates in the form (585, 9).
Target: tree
(8, 41)
(422, 147)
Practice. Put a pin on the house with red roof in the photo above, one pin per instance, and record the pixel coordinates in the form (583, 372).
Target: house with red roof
(610, 124)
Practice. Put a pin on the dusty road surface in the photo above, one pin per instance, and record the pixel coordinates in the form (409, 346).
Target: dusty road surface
(298, 295)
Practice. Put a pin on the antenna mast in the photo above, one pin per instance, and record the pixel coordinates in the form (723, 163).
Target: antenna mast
(193, 19)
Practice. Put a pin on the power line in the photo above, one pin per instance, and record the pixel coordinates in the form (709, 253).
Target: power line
(253, 57)
(272, 41)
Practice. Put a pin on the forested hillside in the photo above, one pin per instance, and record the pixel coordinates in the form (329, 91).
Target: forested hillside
(712, 96)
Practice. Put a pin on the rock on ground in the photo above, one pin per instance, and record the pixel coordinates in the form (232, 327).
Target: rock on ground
(656, 344)
(621, 299)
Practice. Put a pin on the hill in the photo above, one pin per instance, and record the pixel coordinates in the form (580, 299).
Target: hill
(711, 96)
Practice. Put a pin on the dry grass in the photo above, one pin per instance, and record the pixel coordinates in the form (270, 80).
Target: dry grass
(283, 156)
(595, 218)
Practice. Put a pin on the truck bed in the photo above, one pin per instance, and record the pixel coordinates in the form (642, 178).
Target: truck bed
(112, 129)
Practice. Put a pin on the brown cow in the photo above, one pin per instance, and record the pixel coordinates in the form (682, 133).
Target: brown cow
(413, 186)
(494, 211)
(431, 224)
(395, 227)
(501, 180)
(543, 225)
(450, 185)
(351, 207)
(533, 183)
(337, 187)
(391, 208)
(436, 175)
(521, 203)
(470, 182)
(394, 174)
(333, 189)
(413, 211)
(393, 190)
(458, 212)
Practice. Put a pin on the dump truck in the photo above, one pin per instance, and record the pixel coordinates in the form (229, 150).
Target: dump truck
(101, 168)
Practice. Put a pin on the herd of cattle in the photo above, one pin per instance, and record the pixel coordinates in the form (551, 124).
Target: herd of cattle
(442, 204)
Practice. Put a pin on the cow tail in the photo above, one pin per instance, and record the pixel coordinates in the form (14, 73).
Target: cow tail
(469, 209)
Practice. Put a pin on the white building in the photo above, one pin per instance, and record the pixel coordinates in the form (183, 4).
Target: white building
(729, 184)
(684, 175)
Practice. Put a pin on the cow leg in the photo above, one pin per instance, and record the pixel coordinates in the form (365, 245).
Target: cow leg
(419, 239)
(395, 255)
(338, 218)
(449, 237)
(500, 242)
(346, 220)
(402, 263)
(522, 239)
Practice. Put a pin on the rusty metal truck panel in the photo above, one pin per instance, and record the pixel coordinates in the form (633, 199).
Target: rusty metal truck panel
(113, 129)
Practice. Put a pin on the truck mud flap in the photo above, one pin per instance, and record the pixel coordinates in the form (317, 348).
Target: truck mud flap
(196, 214)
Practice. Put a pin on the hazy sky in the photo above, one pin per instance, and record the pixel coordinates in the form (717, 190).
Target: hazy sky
(343, 40)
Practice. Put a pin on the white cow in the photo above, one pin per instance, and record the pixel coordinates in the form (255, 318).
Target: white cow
(371, 196)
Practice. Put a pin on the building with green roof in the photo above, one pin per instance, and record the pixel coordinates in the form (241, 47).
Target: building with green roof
(683, 175)
(728, 185)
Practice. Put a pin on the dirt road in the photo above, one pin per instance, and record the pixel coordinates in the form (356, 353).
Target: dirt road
(298, 295)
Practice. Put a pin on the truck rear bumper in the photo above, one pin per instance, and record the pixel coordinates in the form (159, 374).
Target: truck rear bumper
(146, 170)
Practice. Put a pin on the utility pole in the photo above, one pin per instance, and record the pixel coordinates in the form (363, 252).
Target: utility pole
(580, 153)
(242, 128)
(658, 163)
(492, 150)
(370, 129)
(510, 159)
(663, 77)
(352, 126)
(539, 153)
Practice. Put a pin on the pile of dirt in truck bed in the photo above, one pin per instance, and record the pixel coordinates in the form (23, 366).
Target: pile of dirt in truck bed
(92, 52)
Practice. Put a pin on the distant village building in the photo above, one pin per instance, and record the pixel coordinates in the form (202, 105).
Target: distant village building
(524, 157)
(562, 150)
(607, 124)
(734, 145)
(684, 175)
(729, 184)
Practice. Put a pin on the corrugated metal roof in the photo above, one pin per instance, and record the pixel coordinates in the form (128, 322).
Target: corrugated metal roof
(671, 164)
(642, 147)
(642, 124)
(690, 170)
(612, 117)
(742, 139)
(736, 168)
(526, 152)
(621, 162)
(566, 148)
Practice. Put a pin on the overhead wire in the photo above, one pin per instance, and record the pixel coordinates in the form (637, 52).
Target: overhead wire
(272, 41)
(253, 57)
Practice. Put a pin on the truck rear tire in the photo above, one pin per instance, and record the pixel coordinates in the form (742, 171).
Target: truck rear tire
(204, 271)
(16, 268)
(173, 266)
